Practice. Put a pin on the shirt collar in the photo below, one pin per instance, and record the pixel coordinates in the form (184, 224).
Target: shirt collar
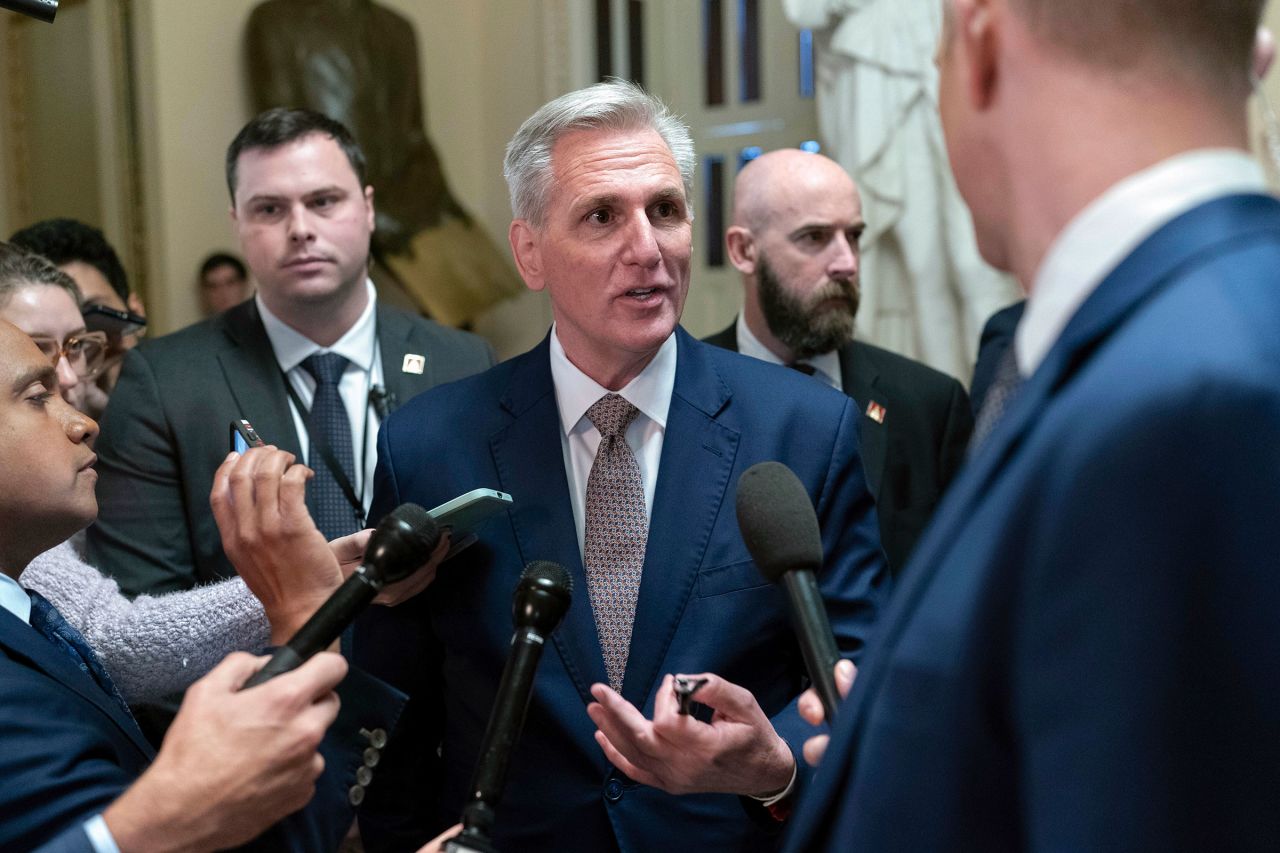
(1112, 226)
(826, 364)
(14, 598)
(292, 347)
(650, 392)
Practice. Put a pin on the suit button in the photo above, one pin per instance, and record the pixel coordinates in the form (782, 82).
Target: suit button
(377, 738)
(372, 757)
(364, 775)
(356, 795)
(613, 791)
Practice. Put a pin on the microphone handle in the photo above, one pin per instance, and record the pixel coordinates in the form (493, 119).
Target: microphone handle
(817, 643)
(319, 632)
(506, 721)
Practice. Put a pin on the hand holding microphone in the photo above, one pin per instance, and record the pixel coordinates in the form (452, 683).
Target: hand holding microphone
(399, 545)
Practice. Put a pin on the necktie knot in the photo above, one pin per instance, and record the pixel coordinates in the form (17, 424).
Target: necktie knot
(325, 367)
(802, 367)
(611, 415)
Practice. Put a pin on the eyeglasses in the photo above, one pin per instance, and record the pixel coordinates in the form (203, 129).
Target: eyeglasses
(118, 325)
(85, 352)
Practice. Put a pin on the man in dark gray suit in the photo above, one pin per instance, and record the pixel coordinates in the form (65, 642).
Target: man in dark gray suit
(304, 216)
(797, 218)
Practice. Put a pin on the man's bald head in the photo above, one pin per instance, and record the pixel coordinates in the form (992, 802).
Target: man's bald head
(782, 181)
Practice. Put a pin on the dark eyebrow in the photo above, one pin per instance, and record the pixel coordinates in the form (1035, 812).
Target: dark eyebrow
(44, 374)
(858, 226)
(670, 194)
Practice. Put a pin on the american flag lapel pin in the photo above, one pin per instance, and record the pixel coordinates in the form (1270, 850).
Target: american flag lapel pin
(876, 412)
(413, 363)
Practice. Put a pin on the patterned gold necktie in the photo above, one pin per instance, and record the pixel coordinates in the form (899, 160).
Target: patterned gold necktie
(616, 530)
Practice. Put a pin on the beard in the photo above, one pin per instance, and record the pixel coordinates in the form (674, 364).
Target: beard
(808, 326)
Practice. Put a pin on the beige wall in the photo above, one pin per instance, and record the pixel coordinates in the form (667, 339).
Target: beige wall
(482, 68)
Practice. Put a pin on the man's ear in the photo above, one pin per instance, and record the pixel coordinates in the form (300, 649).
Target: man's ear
(741, 245)
(528, 255)
(978, 35)
(368, 203)
(134, 304)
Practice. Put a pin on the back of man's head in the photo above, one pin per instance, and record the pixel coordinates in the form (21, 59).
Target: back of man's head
(615, 105)
(65, 241)
(280, 126)
(1209, 42)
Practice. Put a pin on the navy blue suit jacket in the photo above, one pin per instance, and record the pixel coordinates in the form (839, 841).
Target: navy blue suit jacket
(67, 750)
(1085, 654)
(703, 605)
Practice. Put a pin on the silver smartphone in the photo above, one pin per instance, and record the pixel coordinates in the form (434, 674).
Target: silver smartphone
(466, 512)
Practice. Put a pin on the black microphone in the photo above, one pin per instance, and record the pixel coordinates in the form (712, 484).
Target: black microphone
(41, 10)
(780, 528)
(384, 402)
(541, 599)
(399, 545)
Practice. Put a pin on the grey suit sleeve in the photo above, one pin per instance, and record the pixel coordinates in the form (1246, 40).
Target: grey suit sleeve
(154, 645)
(141, 537)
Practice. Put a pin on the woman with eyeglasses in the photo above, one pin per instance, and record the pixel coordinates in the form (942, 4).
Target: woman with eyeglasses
(44, 302)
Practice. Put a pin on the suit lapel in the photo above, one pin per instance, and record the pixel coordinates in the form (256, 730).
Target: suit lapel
(861, 381)
(255, 380)
(395, 333)
(530, 464)
(25, 644)
(685, 508)
(1146, 271)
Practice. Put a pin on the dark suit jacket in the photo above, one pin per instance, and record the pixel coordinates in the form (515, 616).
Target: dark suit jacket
(997, 337)
(911, 457)
(165, 433)
(703, 605)
(1083, 654)
(67, 751)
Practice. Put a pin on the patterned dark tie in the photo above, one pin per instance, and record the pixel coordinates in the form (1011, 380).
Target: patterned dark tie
(616, 530)
(1004, 388)
(328, 422)
(46, 619)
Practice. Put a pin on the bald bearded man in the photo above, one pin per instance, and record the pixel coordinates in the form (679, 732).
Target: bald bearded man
(797, 219)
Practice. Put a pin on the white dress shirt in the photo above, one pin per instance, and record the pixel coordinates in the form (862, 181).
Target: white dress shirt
(359, 346)
(1112, 226)
(826, 366)
(650, 392)
(14, 598)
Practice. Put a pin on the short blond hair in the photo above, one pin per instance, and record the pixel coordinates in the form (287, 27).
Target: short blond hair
(1206, 40)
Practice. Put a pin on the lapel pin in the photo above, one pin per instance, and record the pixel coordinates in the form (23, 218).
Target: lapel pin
(413, 363)
(876, 412)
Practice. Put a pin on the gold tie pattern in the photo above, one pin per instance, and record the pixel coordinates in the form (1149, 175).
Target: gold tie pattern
(616, 531)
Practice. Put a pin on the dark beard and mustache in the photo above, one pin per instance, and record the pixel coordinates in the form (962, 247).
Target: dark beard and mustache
(796, 321)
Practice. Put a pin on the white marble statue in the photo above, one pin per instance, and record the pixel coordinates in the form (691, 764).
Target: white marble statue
(925, 291)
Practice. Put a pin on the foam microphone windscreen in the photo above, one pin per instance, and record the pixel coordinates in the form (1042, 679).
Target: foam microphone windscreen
(401, 543)
(543, 594)
(777, 520)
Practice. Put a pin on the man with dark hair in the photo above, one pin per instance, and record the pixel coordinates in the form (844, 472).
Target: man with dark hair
(312, 361)
(1083, 655)
(797, 220)
(224, 283)
(82, 252)
(78, 775)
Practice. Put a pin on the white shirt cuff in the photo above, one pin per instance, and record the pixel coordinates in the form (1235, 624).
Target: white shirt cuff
(99, 835)
(768, 801)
